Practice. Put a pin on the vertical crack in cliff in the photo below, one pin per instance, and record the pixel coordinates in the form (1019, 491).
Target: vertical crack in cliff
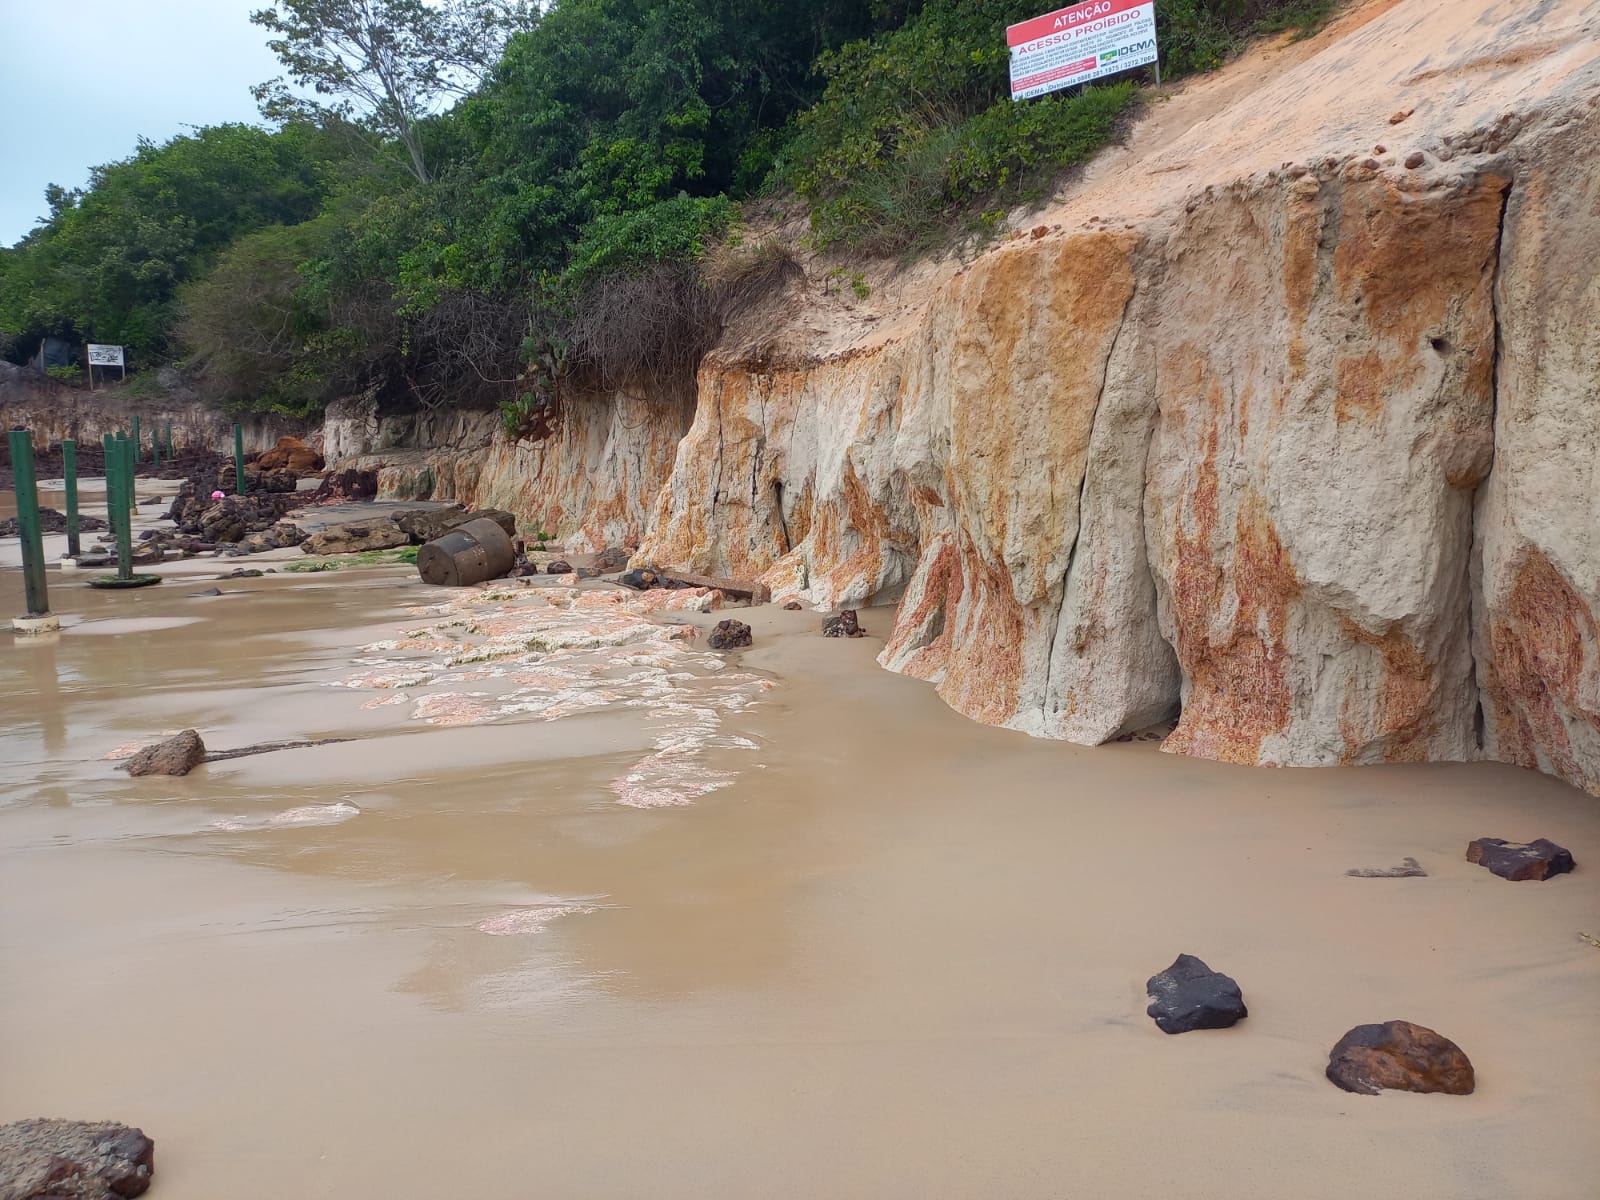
(716, 478)
(1083, 491)
(1475, 602)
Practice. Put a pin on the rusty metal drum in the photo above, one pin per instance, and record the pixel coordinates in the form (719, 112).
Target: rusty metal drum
(468, 554)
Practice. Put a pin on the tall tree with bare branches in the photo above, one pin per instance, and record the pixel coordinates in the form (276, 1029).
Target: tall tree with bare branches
(387, 64)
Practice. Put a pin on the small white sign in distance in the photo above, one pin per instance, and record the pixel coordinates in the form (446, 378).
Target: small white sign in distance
(105, 356)
(1080, 44)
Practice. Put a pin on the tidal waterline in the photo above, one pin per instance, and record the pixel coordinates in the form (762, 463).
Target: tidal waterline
(895, 954)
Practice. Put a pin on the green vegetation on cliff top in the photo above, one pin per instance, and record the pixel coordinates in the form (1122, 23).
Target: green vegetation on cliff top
(471, 254)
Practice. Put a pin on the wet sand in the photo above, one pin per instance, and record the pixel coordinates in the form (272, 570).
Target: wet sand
(898, 954)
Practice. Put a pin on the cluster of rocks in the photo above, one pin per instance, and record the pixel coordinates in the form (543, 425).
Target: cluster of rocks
(1396, 1055)
(51, 521)
(197, 510)
(1390, 1055)
(74, 1160)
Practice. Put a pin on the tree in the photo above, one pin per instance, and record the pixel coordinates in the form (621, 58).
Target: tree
(390, 62)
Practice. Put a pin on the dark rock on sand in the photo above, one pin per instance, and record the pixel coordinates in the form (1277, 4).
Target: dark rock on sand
(208, 592)
(844, 625)
(175, 756)
(47, 1159)
(349, 484)
(1538, 859)
(355, 537)
(258, 481)
(1189, 995)
(558, 567)
(793, 606)
(643, 579)
(612, 558)
(51, 521)
(423, 525)
(730, 635)
(1400, 1056)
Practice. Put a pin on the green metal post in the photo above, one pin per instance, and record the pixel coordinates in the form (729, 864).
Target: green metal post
(137, 449)
(28, 518)
(69, 471)
(171, 457)
(113, 484)
(124, 474)
(125, 525)
(238, 456)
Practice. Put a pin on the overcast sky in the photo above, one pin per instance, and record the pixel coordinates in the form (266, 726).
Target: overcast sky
(104, 72)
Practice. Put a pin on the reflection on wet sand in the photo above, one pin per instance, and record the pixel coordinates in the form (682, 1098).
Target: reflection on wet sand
(893, 954)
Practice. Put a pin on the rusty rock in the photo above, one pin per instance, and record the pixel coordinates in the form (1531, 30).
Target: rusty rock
(1415, 159)
(730, 635)
(1400, 1056)
(1538, 859)
(290, 454)
(94, 1160)
(176, 756)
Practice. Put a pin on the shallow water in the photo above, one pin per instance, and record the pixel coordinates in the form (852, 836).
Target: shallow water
(894, 954)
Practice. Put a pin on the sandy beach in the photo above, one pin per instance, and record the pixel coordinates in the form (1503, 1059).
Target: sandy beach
(890, 953)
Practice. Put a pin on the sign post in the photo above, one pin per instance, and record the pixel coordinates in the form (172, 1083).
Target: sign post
(1080, 44)
(105, 356)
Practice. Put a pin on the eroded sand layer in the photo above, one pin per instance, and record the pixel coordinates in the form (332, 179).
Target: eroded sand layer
(892, 954)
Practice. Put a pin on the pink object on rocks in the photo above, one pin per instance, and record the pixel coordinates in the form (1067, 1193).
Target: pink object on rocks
(216, 495)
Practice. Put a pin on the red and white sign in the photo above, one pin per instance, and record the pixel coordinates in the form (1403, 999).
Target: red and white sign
(1080, 44)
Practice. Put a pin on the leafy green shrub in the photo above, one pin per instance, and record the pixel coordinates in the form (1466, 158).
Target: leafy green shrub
(70, 374)
(675, 230)
(1010, 142)
(916, 126)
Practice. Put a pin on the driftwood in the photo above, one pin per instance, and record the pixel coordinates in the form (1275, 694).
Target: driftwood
(752, 590)
(1406, 870)
(267, 748)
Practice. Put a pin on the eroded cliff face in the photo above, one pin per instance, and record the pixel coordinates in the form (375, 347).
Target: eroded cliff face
(1225, 461)
(1283, 422)
(1537, 562)
(53, 412)
(590, 484)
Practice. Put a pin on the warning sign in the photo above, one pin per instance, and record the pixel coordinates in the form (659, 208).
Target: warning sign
(1080, 44)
